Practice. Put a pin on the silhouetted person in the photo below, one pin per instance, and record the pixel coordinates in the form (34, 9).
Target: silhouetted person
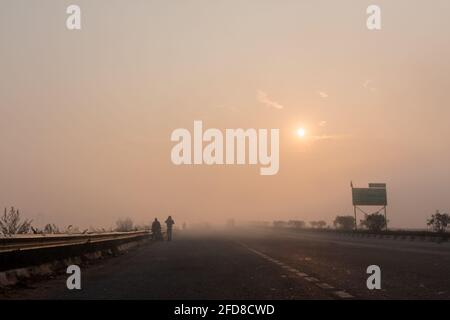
(156, 230)
(169, 223)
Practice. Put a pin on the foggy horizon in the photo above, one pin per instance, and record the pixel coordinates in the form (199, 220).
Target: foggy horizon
(87, 116)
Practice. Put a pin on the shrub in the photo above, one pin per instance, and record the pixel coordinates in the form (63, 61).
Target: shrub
(124, 225)
(280, 224)
(51, 228)
(439, 221)
(344, 222)
(374, 222)
(296, 224)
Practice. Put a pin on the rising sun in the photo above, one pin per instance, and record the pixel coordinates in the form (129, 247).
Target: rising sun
(301, 132)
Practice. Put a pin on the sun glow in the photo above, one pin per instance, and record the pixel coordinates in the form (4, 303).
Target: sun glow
(301, 132)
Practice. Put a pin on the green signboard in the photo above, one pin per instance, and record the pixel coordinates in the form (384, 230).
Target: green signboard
(369, 196)
(377, 185)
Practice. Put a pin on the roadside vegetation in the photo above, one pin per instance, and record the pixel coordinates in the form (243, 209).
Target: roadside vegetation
(344, 222)
(127, 225)
(374, 222)
(438, 223)
(12, 223)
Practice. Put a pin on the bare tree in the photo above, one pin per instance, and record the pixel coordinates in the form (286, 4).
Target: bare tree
(10, 223)
(124, 225)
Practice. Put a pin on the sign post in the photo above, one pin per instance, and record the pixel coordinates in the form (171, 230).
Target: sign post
(374, 195)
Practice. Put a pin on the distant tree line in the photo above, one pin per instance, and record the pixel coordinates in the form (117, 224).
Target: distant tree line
(299, 224)
(376, 222)
(11, 223)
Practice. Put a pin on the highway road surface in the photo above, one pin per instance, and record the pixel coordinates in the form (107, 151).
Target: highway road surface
(259, 264)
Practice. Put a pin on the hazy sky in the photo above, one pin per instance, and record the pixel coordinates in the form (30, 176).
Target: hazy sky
(86, 116)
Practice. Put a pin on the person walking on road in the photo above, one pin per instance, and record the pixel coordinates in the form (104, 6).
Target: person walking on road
(156, 230)
(169, 223)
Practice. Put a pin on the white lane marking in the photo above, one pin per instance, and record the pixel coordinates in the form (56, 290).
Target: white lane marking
(311, 279)
(325, 286)
(340, 293)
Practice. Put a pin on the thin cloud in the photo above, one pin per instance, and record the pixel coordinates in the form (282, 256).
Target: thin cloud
(322, 123)
(264, 99)
(322, 94)
(367, 85)
(328, 137)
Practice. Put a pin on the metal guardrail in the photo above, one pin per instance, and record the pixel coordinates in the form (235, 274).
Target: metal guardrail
(22, 243)
(30, 254)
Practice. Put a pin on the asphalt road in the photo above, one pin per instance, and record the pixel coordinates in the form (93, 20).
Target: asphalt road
(260, 265)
